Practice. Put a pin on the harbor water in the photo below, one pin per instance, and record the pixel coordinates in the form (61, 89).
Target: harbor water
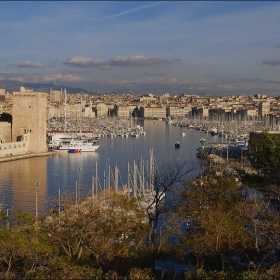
(62, 171)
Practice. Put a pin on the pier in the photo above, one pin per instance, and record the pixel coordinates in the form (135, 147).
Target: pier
(25, 156)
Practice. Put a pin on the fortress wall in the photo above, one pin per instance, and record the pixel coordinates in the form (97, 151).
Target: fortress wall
(13, 148)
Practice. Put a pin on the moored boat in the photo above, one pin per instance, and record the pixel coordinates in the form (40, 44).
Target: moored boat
(80, 145)
(57, 139)
(74, 151)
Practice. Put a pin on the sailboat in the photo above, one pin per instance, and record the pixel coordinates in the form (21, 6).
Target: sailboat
(61, 138)
(77, 144)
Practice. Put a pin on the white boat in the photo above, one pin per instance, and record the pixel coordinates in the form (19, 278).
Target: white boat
(168, 120)
(79, 145)
(134, 134)
(214, 131)
(58, 139)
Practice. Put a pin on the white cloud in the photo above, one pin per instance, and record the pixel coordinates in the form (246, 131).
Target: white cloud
(134, 10)
(29, 64)
(80, 61)
(121, 61)
(137, 60)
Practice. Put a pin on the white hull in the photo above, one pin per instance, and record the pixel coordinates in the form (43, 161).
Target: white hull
(59, 139)
(81, 145)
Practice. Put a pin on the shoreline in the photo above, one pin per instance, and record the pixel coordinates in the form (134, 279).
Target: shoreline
(25, 156)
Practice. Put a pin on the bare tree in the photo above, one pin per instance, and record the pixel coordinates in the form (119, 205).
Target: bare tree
(165, 179)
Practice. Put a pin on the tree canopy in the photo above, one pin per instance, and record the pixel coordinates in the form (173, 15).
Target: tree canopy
(265, 159)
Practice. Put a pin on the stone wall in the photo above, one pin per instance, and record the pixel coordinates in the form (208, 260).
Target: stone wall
(14, 148)
(5, 132)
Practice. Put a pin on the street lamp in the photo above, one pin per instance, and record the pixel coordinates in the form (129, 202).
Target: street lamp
(37, 185)
(79, 186)
(59, 205)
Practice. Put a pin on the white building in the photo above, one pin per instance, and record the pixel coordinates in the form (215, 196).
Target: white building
(264, 108)
(178, 111)
(153, 112)
(56, 95)
(101, 109)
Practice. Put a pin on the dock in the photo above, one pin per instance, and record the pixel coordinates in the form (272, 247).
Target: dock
(25, 156)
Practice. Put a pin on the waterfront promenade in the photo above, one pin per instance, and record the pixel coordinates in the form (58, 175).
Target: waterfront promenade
(25, 156)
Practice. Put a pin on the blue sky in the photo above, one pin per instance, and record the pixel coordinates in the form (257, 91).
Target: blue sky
(203, 47)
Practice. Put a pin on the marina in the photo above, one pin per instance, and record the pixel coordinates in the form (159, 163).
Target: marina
(62, 171)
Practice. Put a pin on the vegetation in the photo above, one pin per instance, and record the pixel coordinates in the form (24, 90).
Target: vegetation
(87, 240)
(265, 159)
(214, 226)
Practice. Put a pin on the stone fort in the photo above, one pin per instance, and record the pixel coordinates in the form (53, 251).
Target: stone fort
(27, 132)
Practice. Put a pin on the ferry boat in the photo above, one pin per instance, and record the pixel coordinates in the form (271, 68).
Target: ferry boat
(79, 145)
(60, 138)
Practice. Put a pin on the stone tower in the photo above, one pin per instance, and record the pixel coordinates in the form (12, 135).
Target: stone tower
(29, 116)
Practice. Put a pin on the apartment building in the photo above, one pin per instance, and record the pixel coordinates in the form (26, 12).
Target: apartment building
(73, 110)
(201, 111)
(220, 113)
(178, 111)
(101, 109)
(2, 94)
(124, 111)
(87, 111)
(152, 112)
(56, 95)
(54, 111)
(247, 113)
(264, 108)
(148, 97)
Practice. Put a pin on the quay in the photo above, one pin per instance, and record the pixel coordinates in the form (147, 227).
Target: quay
(24, 156)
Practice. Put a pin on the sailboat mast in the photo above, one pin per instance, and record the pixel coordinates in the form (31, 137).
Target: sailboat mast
(64, 109)
(81, 117)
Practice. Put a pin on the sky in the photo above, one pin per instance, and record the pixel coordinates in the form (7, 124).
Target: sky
(201, 47)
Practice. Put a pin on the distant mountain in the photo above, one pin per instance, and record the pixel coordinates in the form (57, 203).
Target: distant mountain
(122, 91)
(11, 86)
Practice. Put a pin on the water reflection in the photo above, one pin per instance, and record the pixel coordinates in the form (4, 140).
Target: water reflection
(18, 184)
(61, 171)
